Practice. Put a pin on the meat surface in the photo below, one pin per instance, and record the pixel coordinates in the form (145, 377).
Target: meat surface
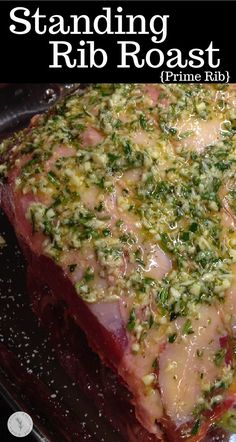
(123, 201)
(97, 381)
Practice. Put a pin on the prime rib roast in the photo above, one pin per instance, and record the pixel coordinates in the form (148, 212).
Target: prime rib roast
(123, 201)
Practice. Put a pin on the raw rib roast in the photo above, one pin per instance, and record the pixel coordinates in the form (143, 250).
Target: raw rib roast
(123, 200)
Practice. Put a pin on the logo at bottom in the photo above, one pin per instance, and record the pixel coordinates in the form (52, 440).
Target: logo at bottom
(20, 424)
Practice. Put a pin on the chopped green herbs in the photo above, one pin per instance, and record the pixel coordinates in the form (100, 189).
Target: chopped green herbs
(89, 275)
(52, 178)
(172, 338)
(155, 364)
(196, 427)
(187, 327)
(219, 357)
(132, 320)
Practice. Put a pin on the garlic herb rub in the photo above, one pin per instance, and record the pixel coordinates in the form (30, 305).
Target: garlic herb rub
(91, 145)
(131, 190)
